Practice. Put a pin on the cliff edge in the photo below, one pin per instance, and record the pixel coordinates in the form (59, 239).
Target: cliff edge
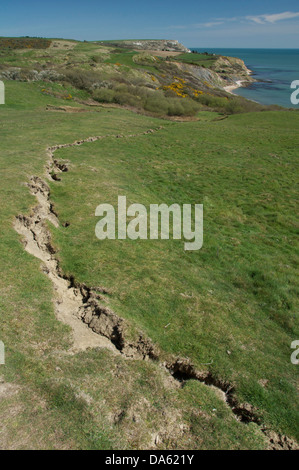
(169, 45)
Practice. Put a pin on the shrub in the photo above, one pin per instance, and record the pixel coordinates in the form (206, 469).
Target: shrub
(234, 106)
(175, 107)
(212, 101)
(144, 59)
(97, 59)
(24, 43)
(156, 103)
(124, 98)
(121, 88)
(104, 95)
(159, 104)
(82, 79)
(182, 107)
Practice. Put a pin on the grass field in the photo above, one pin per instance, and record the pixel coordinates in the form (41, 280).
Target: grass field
(230, 308)
(234, 293)
(203, 60)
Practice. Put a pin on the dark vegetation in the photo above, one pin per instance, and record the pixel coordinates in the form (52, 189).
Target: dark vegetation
(24, 43)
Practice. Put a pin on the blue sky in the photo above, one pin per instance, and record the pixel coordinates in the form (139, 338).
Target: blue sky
(218, 23)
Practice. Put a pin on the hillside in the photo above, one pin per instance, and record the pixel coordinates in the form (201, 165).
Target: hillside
(157, 45)
(138, 344)
(144, 80)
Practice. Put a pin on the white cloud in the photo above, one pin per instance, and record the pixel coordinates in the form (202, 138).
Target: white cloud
(198, 25)
(263, 19)
(258, 19)
(234, 18)
(209, 25)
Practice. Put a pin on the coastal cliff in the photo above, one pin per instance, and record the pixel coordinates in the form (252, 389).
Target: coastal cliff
(161, 77)
(232, 70)
(169, 45)
(223, 71)
(227, 73)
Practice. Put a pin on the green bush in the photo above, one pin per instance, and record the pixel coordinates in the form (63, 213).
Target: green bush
(24, 43)
(144, 59)
(234, 107)
(97, 59)
(213, 101)
(120, 88)
(182, 107)
(104, 95)
(159, 104)
(230, 105)
(156, 103)
(125, 98)
(82, 79)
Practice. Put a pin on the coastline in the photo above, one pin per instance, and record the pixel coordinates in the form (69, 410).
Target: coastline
(235, 86)
(240, 83)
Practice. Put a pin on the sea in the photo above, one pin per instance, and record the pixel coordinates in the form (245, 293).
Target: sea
(274, 70)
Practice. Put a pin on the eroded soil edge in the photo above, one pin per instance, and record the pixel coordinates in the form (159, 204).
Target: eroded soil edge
(92, 322)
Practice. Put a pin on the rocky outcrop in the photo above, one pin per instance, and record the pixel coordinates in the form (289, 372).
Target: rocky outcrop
(26, 75)
(205, 77)
(232, 69)
(225, 73)
(151, 45)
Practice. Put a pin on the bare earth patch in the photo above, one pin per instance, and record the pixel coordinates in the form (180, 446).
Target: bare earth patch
(66, 45)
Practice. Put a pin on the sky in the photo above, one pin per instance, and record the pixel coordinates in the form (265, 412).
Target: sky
(218, 23)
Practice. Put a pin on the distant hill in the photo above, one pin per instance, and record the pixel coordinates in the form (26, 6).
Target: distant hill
(151, 44)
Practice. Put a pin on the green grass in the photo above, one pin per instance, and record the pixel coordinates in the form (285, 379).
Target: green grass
(237, 294)
(125, 58)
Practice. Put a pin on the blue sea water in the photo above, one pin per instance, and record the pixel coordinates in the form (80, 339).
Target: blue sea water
(274, 70)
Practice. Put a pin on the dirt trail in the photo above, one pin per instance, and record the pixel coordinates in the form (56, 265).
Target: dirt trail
(93, 324)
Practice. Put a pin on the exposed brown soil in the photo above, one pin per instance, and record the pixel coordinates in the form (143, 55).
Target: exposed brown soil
(62, 44)
(7, 389)
(67, 109)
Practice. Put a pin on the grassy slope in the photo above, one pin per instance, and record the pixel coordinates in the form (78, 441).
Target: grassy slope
(135, 79)
(240, 287)
(239, 292)
(90, 400)
(197, 59)
(28, 327)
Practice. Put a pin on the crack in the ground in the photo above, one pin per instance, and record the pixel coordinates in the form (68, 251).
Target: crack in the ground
(93, 323)
(183, 370)
(77, 305)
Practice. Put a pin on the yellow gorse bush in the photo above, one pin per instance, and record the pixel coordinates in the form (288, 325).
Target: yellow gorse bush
(179, 87)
